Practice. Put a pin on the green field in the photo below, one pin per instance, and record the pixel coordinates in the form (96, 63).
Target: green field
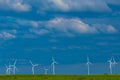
(59, 77)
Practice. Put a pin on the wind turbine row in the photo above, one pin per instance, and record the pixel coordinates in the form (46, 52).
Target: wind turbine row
(11, 69)
(46, 70)
(112, 64)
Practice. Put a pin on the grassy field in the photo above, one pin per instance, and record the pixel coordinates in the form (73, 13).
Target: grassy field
(59, 77)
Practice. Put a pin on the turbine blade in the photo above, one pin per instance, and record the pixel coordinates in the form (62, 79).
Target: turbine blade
(31, 62)
(15, 62)
(114, 62)
(36, 65)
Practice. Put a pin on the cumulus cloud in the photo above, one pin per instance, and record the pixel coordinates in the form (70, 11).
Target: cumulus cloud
(15, 5)
(6, 35)
(58, 27)
(78, 26)
(76, 5)
(59, 5)
(70, 27)
(39, 31)
(28, 23)
(111, 29)
(7, 28)
(105, 28)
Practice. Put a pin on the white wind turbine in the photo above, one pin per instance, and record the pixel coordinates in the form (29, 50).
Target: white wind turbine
(88, 65)
(14, 67)
(53, 65)
(33, 67)
(8, 69)
(110, 65)
(46, 71)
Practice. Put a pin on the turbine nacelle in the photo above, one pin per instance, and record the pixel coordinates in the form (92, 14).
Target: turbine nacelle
(36, 65)
(54, 62)
(88, 61)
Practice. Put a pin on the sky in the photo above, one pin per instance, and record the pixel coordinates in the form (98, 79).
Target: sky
(69, 30)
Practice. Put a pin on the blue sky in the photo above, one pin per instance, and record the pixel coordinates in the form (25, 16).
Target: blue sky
(66, 29)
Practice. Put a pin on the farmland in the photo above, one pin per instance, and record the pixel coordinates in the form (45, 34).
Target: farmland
(59, 77)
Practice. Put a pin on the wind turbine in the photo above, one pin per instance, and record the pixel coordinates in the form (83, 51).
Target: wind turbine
(110, 65)
(33, 67)
(8, 69)
(88, 65)
(53, 65)
(14, 67)
(46, 71)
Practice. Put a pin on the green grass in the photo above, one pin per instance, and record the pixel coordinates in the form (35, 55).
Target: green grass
(59, 77)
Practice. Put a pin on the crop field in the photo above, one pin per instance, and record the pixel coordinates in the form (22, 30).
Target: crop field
(59, 77)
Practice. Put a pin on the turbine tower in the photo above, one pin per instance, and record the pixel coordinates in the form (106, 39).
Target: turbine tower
(88, 65)
(46, 71)
(110, 65)
(53, 65)
(33, 67)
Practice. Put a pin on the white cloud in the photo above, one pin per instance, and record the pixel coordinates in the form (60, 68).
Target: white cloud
(80, 5)
(111, 29)
(34, 23)
(63, 26)
(77, 5)
(15, 5)
(69, 26)
(28, 23)
(59, 5)
(105, 28)
(39, 31)
(60, 27)
(5, 35)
